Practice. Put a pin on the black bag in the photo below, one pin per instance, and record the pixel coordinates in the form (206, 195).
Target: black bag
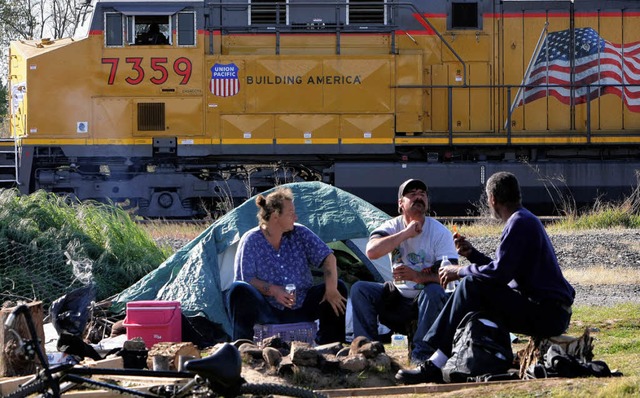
(560, 364)
(480, 347)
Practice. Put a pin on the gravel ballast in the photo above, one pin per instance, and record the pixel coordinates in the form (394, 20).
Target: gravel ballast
(614, 249)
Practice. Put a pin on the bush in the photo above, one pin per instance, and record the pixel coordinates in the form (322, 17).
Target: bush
(50, 245)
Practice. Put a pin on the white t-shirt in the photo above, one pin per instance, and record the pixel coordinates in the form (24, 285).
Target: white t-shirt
(419, 252)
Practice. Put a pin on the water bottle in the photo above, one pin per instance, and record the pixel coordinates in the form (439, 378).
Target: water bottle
(451, 286)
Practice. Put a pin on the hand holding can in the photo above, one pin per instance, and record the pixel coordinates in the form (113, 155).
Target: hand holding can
(291, 290)
(397, 281)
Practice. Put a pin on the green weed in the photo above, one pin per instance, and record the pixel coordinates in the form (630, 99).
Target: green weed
(49, 242)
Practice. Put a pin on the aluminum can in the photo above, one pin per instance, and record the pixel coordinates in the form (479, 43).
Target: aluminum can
(397, 281)
(291, 289)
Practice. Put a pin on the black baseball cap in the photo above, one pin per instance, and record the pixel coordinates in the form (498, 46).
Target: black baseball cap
(409, 185)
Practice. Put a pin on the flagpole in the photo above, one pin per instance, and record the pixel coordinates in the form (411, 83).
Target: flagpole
(528, 71)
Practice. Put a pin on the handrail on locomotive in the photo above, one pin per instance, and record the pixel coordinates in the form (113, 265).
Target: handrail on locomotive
(337, 27)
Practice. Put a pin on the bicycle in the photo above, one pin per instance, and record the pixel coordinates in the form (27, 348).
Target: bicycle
(216, 375)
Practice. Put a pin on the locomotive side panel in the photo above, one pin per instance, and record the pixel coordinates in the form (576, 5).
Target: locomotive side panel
(510, 64)
(111, 115)
(609, 107)
(58, 104)
(631, 34)
(285, 96)
(603, 23)
(409, 101)
(546, 32)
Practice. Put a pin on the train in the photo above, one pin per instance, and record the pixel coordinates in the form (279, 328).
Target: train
(238, 96)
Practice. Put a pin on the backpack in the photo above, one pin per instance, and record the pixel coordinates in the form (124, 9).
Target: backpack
(480, 347)
(558, 363)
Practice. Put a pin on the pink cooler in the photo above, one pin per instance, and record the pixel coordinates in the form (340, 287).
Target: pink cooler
(154, 321)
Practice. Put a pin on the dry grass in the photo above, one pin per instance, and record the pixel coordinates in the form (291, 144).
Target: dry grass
(178, 230)
(603, 276)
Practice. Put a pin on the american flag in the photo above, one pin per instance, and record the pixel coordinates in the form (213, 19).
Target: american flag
(597, 61)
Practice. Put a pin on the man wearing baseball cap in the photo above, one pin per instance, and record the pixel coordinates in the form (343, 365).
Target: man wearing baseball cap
(415, 244)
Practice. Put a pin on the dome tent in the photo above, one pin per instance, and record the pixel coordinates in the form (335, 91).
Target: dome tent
(199, 273)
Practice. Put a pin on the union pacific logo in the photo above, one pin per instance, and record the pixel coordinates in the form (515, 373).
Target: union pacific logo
(224, 80)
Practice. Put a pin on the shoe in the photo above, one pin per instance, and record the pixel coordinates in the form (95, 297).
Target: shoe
(425, 373)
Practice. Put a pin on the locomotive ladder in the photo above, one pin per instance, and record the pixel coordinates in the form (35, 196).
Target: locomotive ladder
(9, 153)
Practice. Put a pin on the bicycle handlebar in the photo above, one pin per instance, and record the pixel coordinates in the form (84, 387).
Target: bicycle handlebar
(11, 319)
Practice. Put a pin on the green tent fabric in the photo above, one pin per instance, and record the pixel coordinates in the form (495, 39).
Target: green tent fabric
(192, 275)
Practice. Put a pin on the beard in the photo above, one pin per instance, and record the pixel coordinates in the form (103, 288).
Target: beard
(418, 206)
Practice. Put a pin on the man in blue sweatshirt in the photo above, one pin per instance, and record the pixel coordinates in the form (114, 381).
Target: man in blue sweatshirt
(523, 288)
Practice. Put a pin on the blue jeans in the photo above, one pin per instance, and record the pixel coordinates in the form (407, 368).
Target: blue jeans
(516, 312)
(248, 307)
(366, 299)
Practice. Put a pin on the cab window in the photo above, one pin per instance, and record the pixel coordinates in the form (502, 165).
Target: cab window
(113, 29)
(149, 30)
(186, 28)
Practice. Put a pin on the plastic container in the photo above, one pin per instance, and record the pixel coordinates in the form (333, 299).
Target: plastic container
(301, 331)
(154, 321)
(399, 340)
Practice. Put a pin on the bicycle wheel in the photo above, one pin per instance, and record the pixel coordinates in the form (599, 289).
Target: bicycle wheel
(33, 387)
(277, 389)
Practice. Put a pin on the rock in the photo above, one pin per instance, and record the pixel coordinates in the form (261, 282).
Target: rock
(277, 343)
(357, 343)
(381, 363)
(135, 344)
(285, 368)
(302, 354)
(371, 350)
(331, 348)
(240, 342)
(354, 363)
(343, 353)
(250, 350)
(272, 357)
(329, 364)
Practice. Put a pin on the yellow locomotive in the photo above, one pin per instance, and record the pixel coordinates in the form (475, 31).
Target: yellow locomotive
(167, 105)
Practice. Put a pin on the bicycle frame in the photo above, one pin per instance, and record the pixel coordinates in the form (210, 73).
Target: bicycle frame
(216, 375)
(221, 373)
